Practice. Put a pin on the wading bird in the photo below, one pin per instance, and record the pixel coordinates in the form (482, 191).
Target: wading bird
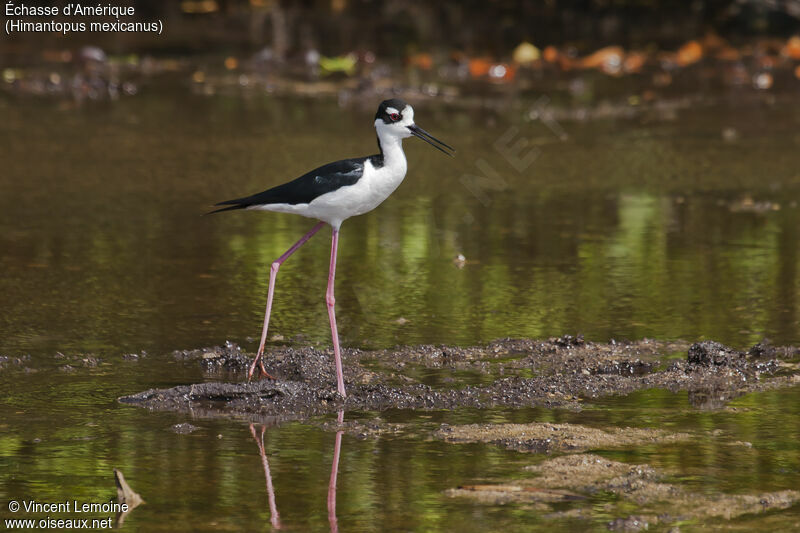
(335, 192)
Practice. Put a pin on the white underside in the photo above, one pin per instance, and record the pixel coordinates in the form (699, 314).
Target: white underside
(365, 195)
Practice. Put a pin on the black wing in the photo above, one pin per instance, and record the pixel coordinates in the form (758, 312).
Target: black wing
(304, 189)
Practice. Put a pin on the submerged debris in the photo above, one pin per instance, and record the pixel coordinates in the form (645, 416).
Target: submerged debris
(184, 428)
(365, 429)
(125, 495)
(659, 501)
(546, 438)
(502, 494)
(20, 362)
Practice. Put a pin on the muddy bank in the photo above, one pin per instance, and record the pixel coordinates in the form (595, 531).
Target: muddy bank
(579, 476)
(559, 372)
(545, 438)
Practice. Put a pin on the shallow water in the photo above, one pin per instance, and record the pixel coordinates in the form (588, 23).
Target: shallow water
(666, 225)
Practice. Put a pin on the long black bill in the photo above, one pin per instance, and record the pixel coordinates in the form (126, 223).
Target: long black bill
(430, 139)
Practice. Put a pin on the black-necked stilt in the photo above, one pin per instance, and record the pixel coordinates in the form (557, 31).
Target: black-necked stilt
(335, 192)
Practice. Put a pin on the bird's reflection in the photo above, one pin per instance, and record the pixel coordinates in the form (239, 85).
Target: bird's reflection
(273, 507)
(337, 449)
(274, 517)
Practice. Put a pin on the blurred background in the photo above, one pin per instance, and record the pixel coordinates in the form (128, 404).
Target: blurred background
(429, 48)
(625, 169)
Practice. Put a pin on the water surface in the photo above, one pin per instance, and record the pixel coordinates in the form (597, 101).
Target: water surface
(665, 225)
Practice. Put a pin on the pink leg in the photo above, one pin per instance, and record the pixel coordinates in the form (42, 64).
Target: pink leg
(332, 314)
(274, 518)
(273, 273)
(337, 449)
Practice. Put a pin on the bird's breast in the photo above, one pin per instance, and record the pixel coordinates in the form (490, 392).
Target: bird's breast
(377, 184)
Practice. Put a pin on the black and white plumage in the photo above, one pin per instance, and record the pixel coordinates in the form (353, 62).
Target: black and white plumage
(350, 187)
(335, 192)
(310, 186)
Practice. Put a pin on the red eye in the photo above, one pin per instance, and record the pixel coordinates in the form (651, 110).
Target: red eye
(395, 117)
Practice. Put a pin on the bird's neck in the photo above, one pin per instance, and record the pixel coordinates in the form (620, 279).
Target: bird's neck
(392, 150)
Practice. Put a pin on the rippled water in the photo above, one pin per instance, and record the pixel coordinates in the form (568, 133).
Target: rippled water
(669, 225)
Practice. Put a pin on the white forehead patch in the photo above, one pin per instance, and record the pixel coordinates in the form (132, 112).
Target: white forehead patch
(390, 110)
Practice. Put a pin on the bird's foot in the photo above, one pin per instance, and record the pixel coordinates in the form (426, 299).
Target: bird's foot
(262, 371)
(263, 374)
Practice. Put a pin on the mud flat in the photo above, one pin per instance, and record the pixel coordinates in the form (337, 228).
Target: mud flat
(559, 372)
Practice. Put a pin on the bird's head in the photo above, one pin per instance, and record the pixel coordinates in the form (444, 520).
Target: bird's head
(395, 118)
